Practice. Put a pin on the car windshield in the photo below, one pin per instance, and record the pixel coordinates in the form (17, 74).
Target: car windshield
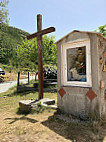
(1, 69)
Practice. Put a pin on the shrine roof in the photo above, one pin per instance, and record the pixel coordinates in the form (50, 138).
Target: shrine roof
(88, 32)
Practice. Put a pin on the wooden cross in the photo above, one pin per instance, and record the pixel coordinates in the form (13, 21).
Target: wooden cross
(39, 34)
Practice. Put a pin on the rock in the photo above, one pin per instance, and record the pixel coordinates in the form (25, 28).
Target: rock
(47, 101)
(27, 105)
(53, 106)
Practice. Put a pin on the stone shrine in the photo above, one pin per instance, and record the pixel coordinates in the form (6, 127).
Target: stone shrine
(81, 73)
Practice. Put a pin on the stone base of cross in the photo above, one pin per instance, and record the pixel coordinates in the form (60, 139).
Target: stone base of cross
(39, 35)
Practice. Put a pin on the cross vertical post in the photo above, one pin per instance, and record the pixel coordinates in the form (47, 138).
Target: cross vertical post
(39, 35)
(40, 61)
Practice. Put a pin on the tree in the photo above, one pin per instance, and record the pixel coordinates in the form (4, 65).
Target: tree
(4, 11)
(102, 30)
(7, 45)
(49, 50)
(10, 37)
(27, 52)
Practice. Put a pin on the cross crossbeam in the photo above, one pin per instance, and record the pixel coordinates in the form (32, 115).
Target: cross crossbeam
(39, 34)
(42, 32)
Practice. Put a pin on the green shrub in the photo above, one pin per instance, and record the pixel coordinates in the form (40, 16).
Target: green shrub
(8, 68)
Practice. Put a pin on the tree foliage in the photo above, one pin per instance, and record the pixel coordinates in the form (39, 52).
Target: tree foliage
(102, 30)
(49, 50)
(4, 11)
(27, 52)
(9, 39)
(16, 50)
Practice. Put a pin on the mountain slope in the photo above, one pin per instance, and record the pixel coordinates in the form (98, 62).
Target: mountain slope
(9, 38)
(13, 32)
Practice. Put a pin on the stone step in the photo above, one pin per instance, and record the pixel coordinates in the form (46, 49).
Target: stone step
(27, 105)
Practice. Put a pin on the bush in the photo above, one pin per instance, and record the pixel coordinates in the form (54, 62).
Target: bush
(8, 68)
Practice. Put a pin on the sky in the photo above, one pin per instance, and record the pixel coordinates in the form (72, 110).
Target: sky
(64, 15)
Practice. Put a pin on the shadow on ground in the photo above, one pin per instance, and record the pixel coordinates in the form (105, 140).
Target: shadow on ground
(78, 132)
(13, 120)
(23, 90)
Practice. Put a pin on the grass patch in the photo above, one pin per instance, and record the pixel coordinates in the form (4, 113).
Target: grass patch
(11, 97)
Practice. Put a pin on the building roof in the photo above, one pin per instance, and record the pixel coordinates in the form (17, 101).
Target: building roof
(89, 32)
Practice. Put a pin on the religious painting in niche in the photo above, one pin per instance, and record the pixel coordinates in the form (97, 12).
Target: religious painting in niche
(76, 64)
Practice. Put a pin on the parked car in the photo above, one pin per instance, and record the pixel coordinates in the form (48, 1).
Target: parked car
(2, 72)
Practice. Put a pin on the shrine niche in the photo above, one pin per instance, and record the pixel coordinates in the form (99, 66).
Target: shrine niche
(81, 62)
(76, 64)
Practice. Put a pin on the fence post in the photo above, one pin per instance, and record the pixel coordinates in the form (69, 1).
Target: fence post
(28, 77)
(18, 79)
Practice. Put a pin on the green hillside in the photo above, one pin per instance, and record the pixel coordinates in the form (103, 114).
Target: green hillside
(18, 52)
(9, 38)
(12, 32)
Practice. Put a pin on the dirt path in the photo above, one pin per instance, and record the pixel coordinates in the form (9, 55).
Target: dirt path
(45, 128)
